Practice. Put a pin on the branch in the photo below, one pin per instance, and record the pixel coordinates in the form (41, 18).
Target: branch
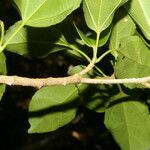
(75, 79)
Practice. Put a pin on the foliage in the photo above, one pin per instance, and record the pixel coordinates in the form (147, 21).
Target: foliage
(118, 28)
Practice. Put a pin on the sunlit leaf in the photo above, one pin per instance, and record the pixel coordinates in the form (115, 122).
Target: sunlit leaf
(99, 13)
(140, 12)
(58, 104)
(43, 13)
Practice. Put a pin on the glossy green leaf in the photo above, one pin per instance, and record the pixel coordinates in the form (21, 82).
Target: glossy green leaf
(2, 72)
(133, 60)
(58, 104)
(123, 27)
(140, 12)
(43, 13)
(129, 122)
(99, 13)
(35, 41)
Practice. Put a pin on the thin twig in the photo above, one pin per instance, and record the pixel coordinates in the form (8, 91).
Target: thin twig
(75, 79)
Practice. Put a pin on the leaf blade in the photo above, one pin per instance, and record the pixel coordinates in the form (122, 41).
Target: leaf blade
(2, 72)
(62, 108)
(43, 13)
(99, 13)
(133, 58)
(139, 11)
(131, 119)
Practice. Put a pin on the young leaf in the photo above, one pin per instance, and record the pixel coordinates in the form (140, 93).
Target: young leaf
(43, 13)
(133, 60)
(99, 13)
(91, 42)
(86, 40)
(129, 122)
(139, 11)
(2, 72)
(35, 41)
(58, 104)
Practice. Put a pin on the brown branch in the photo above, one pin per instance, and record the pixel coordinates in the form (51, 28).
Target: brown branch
(75, 79)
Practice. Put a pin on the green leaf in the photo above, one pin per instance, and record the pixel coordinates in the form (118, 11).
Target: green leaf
(35, 41)
(89, 41)
(124, 27)
(133, 60)
(99, 13)
(97, 97)
(2, 72)
(139, 11)
(58, 104)
(1, 32)
(43, 13)
(86, 40)
(129, 122)
(104, 36)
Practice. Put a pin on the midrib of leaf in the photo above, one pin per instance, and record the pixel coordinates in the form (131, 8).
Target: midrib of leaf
(91, 14)
(19, 28)
(53, 16)
(110, 15)
(11, 37)
(34, 12)
(39, 122)
(140, 2)
(98, 28)
(71, 93)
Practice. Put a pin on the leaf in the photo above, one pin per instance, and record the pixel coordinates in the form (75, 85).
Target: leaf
(58, 104)
(99, 13)
(139, 11)
(129, 122)
(104, 36)
(86, 40)
(43, 13)
(124, 27)
(1, 32)
(2, 72)
(133, 60)
(89, 41)
(36, 42)
(97, 97)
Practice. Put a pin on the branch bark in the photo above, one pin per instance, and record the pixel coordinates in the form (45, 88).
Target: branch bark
(75, 79)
